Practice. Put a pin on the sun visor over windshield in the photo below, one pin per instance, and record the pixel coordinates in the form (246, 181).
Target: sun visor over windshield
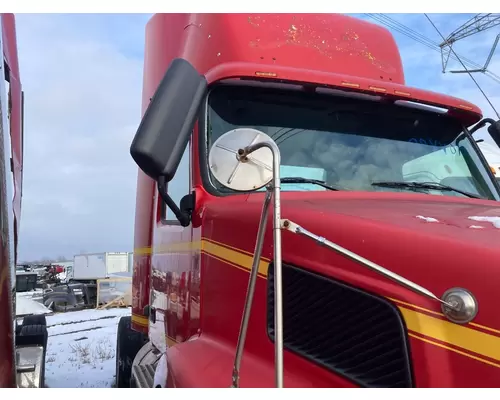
(247, 106)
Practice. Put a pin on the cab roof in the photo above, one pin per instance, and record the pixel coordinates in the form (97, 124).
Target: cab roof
(322, 50)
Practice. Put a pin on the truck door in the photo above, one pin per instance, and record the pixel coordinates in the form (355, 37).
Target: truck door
(171, 263)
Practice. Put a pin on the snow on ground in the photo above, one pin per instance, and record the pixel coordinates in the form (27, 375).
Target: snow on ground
(34, 294)
(81, 348)
(26, 305)
(30, 303)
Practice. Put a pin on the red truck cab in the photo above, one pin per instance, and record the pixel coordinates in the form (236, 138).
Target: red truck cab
(367, 274)
(22, 346)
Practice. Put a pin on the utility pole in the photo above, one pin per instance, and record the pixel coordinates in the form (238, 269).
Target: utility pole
(478, 23)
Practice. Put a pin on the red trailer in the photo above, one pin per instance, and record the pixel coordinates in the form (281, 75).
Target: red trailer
(364, 276)
(22, 346)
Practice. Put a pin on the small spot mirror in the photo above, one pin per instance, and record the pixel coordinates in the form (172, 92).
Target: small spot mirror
(241, 173)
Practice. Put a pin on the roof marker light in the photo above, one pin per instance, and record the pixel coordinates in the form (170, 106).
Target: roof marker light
(400, 93)
(266, 74)
(350, 84)
(465, 107)
(377, 89)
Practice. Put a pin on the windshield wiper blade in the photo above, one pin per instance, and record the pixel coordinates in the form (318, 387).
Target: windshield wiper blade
(307, 180)
(426, 185)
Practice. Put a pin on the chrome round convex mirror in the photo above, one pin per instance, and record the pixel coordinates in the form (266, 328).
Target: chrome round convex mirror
(235, 169)
(464, 303)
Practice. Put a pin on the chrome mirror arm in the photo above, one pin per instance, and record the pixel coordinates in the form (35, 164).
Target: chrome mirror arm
(457, 304)
(278, 270)
(250, 290)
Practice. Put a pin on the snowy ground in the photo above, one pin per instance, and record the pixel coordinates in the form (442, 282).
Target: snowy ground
(81, 348)
(34, 294)
(30, 303)
(26, 306)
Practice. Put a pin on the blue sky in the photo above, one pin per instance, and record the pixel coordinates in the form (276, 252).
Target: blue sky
(82, 75)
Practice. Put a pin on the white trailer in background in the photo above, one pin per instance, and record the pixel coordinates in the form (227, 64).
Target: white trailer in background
(90, 267)
(130, 261)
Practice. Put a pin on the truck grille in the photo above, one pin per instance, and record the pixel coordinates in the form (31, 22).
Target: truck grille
(345, 330)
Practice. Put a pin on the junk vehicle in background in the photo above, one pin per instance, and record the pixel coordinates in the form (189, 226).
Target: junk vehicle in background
(67, 270)
(22, 346)
(26, 280)
(93, 279)
(286, 234)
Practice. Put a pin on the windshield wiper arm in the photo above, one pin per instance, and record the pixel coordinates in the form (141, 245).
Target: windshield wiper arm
(307, 180)
(426, 185)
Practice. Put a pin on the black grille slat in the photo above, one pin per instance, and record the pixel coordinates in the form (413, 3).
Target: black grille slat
(350, 332)
(350, 353)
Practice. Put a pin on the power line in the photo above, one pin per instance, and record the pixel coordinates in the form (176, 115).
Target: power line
(388, 21)
(405, 30)
(402, 29)
(463, 65)
(478, 23)
(418, 37)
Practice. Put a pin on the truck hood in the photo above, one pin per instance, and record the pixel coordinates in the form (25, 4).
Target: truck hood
(436, 242)
(464, 222)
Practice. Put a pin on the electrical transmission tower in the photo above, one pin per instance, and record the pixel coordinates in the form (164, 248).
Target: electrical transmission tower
(476, 24)
(399, 27)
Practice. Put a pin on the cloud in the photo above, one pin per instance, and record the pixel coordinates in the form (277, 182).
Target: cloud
(82, 105)
(82, 76)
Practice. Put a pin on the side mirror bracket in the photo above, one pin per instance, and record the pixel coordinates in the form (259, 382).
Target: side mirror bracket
(187, 204)
(182, 213)
(481, 124)
(493, 129)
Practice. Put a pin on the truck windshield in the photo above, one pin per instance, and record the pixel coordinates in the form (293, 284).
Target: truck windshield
(353, 144)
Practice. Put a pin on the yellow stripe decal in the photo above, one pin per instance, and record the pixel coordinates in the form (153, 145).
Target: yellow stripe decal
(233, 256)
(140, 319)
(234, 248)
(454, 350)
(457, 335)
(417, 319)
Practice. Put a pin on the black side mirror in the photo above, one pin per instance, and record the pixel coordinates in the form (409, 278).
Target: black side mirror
(166, 127)
(494, 131)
